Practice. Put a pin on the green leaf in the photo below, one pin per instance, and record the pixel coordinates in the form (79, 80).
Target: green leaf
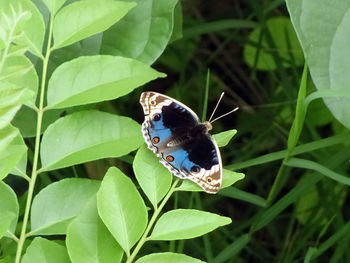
(121, 208)
(19, 72)
(12, 149)
(223, 138)
(279, 41)
(96, 78)
(153, 178)
(33, 28)
(143, 33)
(7, 135)
(318, 114)
(325, 44)
(45, 251)
(28, 129)
(21, 166)
(9, 209)
(186, 223)
(11, 98)
(178, 23)
(58, 203)
(82, 19)
(228, 179)
(53, 5)
(6, 217)
(88, 135)
(168, 258)
(304, 207)
(88, 239)
(12, 152)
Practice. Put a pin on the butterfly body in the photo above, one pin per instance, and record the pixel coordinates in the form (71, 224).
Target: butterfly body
(175, 134)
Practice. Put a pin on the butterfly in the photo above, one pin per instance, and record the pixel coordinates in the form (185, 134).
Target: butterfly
(176, 135)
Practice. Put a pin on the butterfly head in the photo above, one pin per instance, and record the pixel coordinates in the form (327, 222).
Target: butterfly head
(208, 125)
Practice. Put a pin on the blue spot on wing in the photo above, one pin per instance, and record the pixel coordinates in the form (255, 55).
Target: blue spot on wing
(181, 160)
(157, 129)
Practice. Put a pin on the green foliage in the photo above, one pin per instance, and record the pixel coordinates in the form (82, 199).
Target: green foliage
(144, 32)
(76, 193)
(78, 183)
(9, 209)
(154, 179)
(80, 20)
(223, 138)
(325, 46)
(69, 85)
(272, 48)
(167, 257)
(114, 136)
(88, 239)
(114, 200)
(186, 223)
(43, 250)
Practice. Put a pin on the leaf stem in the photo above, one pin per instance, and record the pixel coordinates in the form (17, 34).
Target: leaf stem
(155, 215)
(36, 148)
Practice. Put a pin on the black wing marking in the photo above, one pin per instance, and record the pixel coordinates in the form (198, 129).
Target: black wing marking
(202, 151)
(177, 118)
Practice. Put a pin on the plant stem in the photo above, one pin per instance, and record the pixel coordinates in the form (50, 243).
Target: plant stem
(151, 222)
(36, 148)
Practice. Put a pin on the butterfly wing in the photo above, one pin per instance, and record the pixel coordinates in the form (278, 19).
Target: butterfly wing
(166, 124)
(165, 120)
(199, 161)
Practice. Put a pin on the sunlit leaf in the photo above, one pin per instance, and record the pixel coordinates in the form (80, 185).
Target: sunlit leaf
(45, 251)
(121, 208)
(186, 223)
(168, 258)
(96, 78)
(9, 209)
(153, 178)
(82, 19)
(143, 33)
(58, 203)
(223, 138)
(88, 239)
(86, 136)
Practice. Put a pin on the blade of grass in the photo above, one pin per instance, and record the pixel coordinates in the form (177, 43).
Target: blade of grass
(215, 26)
(303, 186)
(307, 164)
(344, 231)
(205, 102)
(239, 194)
(266, 216)
(307, 147)
(310, 252)
(232, 250)
(293, 136)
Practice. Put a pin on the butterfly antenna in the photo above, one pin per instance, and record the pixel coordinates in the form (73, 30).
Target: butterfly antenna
(224, 115)
(217, 104)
